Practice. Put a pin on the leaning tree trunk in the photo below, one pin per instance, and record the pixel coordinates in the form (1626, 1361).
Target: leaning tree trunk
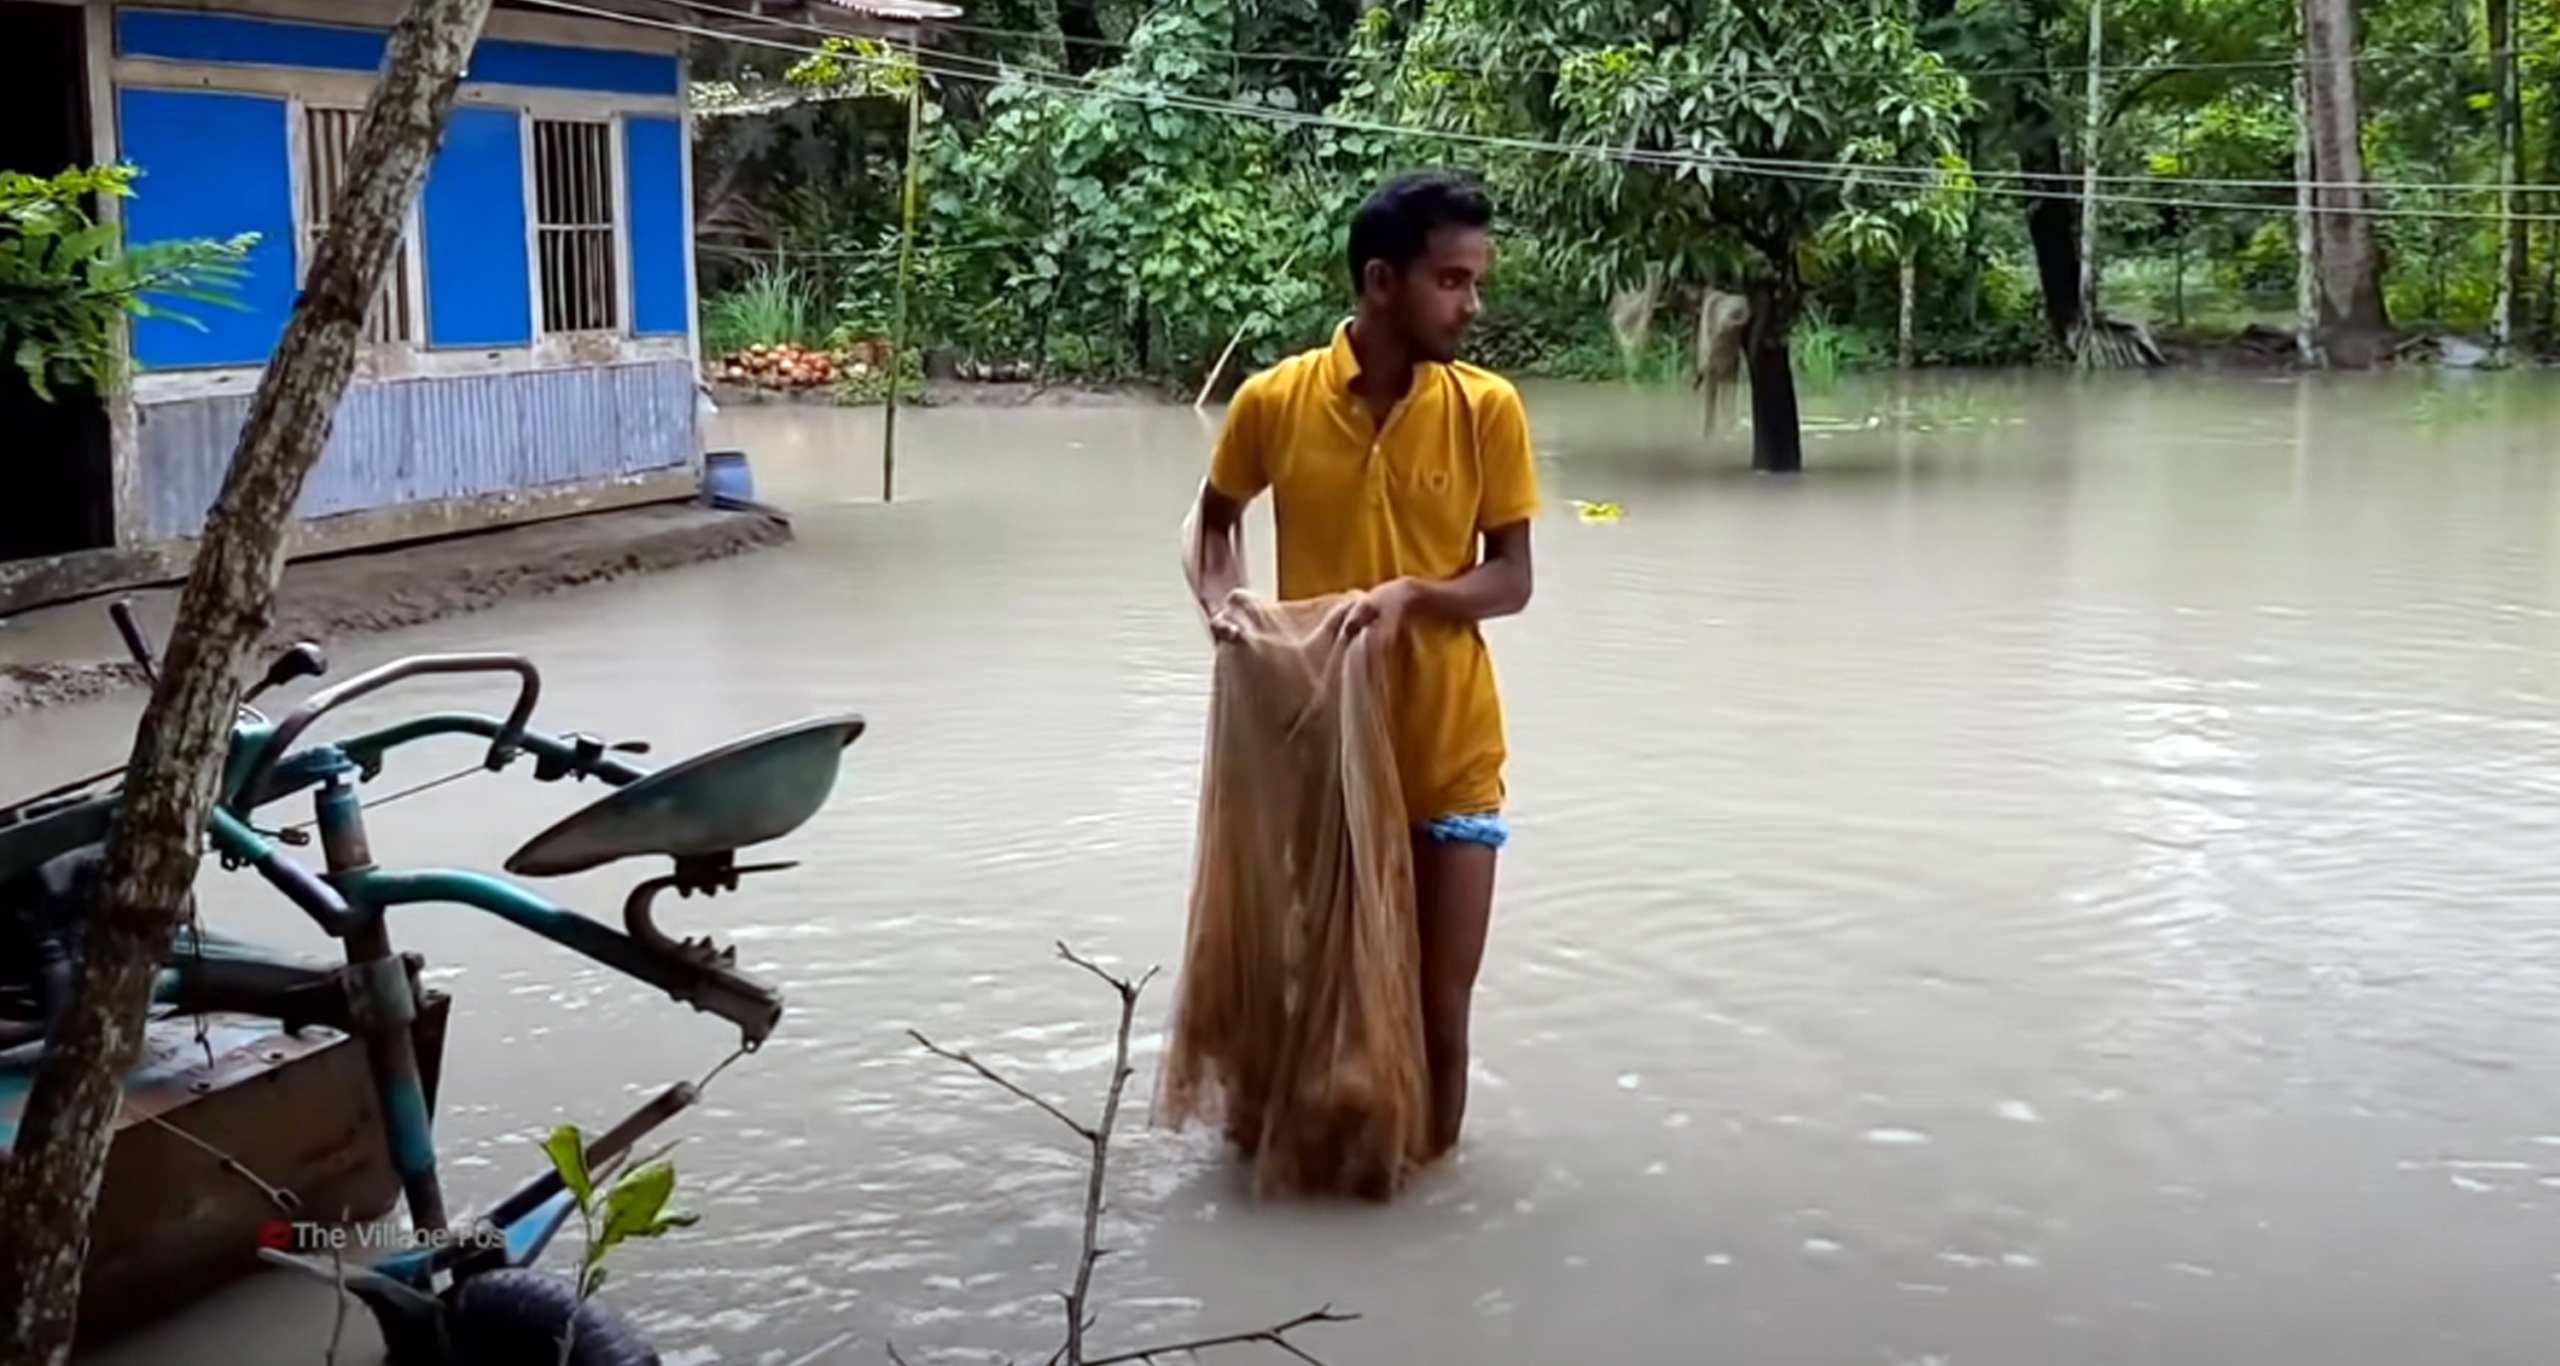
(49, 1186)
(2354, 327)
(1777, 432)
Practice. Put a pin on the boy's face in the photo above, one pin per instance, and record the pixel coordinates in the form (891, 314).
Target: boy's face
(1435, 300)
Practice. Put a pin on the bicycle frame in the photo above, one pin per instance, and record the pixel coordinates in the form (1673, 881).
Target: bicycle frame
(699, 813)
(351, 902)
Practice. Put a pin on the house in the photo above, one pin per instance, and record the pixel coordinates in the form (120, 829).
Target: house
(533, 352)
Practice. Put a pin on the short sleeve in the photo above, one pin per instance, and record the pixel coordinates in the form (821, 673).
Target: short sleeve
(1239, 465)
(1509, 467)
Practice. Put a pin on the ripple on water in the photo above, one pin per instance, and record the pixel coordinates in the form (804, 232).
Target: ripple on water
(2152, 795)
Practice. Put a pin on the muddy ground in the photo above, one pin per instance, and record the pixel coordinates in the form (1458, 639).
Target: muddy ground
(71, 652)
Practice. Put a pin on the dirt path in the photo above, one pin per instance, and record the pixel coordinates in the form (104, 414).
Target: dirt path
(71, 653)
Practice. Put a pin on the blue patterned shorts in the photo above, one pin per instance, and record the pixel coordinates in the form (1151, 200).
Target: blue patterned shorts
(1489, 830)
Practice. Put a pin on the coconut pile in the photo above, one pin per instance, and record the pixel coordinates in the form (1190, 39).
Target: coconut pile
(786, 366)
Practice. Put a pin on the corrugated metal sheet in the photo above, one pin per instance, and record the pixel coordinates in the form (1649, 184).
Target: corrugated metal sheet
(418, 440)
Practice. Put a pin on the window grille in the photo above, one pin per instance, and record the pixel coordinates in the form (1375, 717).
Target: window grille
(574, 225)
(328, 144)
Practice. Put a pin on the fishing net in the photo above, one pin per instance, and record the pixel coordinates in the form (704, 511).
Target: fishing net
(1297, 1023)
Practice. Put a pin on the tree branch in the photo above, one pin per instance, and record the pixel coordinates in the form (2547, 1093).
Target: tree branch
(1097, 1136)
(962, 1057)
(1276, 1335)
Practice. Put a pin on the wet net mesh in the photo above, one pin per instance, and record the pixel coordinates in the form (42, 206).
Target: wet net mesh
(1297, 1022)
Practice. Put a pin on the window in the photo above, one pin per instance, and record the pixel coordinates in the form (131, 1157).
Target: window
(328, 141)
(574, 224)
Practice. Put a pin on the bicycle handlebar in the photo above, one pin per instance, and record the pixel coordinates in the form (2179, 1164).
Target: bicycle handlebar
(502, 747)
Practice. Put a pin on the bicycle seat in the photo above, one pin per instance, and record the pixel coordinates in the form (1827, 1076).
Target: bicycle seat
(743, 793)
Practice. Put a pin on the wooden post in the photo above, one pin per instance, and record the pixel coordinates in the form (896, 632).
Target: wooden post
(48, 1188)
(906, 267)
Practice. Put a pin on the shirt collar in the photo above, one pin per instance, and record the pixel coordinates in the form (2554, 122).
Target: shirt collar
(1342, 363)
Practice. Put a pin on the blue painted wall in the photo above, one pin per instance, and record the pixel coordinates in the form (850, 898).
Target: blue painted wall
(216, 164)
(479, 285)
(661, 225)
(191, 36)
(213, 165)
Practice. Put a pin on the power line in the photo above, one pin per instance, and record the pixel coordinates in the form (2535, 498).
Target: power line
(2288, 187)
(1771, 168)
(2272, 63)
(1002, 68)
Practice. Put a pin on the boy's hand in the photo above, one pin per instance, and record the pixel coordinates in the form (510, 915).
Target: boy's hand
(1226, 626)
(1383, 608)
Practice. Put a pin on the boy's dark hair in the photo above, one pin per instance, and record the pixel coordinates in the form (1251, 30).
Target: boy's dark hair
(1396, 223)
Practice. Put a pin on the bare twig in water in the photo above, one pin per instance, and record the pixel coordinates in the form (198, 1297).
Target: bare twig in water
(1276, 1335)
(830, 1345)
(1098, 1137)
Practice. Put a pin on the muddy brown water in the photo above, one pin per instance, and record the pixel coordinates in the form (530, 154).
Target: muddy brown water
(2069, 880)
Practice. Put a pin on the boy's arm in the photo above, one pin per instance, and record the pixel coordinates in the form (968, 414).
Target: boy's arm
(1501, 582)
(1213, 549)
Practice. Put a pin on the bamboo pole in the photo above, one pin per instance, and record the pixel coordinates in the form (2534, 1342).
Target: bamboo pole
(906, 267)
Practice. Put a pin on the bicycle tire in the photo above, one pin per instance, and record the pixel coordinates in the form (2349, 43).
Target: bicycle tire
(515, 1317)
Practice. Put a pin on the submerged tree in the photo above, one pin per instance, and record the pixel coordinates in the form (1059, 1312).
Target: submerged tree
(1711, 139)
(2353, 323)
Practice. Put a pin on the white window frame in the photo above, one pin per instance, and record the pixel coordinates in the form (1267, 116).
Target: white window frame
(410, 263)
(618, 200)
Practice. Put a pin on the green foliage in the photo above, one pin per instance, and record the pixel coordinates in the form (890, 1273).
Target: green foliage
(871, 386)
(773, 307)
(855, 67)
(1702, 148)
(1125, 212)
(66, 282)
(1125, 216)
(634, 1206)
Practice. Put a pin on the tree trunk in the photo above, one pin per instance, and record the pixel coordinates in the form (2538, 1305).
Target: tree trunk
(2092, 129)
(2354, 327)
(2306, 267)
(49, 1187)
(2049, 227)
(2548, 296)
(1777, 436)
(1902, 347)
(2509, 107)
(2037, 124)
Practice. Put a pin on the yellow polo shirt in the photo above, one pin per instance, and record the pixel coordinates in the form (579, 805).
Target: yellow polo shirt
(1355, 505)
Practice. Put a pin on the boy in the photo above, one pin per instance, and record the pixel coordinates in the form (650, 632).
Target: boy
(1390, 463)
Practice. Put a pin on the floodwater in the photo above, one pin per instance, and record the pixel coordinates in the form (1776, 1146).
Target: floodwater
(2069, 880)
